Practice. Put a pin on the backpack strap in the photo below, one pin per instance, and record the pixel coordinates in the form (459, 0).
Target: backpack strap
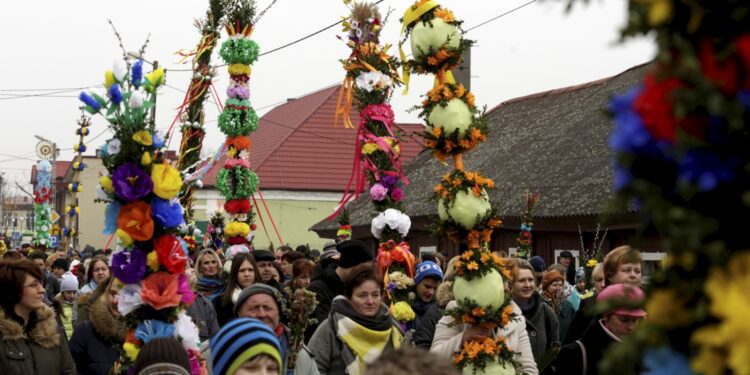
(583, 355)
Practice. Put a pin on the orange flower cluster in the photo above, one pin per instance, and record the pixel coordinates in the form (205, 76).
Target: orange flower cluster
(507, 312)
(369, 48)
(473, 349)
(449, 91)
(419, 3)
(445, 15)
(440, 56)
(240, 142)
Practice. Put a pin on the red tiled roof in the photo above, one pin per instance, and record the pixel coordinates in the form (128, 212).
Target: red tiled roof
(60, 168)
(297, 146)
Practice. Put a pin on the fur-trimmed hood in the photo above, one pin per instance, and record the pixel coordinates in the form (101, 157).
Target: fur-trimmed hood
(45, 333)
(444, 293)
(105, 324)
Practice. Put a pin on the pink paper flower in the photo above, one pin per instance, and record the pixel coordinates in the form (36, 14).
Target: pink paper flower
(378, 192)
(397, 194)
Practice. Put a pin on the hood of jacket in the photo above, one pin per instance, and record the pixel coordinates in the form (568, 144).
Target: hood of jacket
(444, 293)
(105, 324)
(45, 333)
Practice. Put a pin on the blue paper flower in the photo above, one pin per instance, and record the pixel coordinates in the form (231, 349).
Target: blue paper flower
(136, 78)
(110, 217)
(167, 213)
(115, 94)
(89, 101)
(153, 329)
(665, 361)
(157, 140)
(707, 169)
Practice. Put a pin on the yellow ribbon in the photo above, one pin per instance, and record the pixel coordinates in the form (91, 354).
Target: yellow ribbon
(447, 78)
(410, 16)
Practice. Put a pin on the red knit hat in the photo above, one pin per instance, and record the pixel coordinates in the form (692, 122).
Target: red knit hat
(550, 277)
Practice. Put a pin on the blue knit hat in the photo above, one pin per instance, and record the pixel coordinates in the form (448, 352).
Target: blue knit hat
(538, 264)
(241, 340)
(427, 269)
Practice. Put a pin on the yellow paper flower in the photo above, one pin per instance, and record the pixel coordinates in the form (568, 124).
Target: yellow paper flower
(665, 308)
(237, 229)
(124, 237)
(369, 148)
(167, 181)
(131, 350)
(659, 11)
(592, 263)
(146, 158)
(402, 312)
(155, 79)
(106, 184)
(235, 69)
(152, 260)
(143, 137)
(727, 289)
(109, 79)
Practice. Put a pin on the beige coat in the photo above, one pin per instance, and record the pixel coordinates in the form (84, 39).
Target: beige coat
(447, 340)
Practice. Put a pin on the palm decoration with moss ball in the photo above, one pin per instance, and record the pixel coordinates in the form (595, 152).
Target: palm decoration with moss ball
(456, 126)
(140, 188)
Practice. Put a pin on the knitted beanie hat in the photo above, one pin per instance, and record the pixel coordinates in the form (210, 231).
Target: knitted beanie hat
(69, 283)
(427, 269)
(241, 340)
(61, 263)
(353, 253)
(163, 355)
(259, 288)
(550, 277)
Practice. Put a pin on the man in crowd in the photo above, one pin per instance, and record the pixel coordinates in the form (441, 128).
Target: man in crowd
(59, 267)
(286, 264)
(567, 261)
(265, 259)
(426, 281)
(51, 283)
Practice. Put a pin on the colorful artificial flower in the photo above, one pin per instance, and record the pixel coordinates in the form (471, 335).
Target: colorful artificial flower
(113, 147)
(129, 266)
(186, 331)
(378, 192)
(131, 182)
(134, 219)
(153, 329)
(109, 79)
(389, 181)
(159, 290)
(115, 95)
(184, 289)
(402, 312)
(146, 159)
(170, 253)
(237, 229)
(136, 100)
(397, 194)
(167, 213)
(119, 71)
(129, 299)
(167, 181)
(237, 206)
(110, 217)
(90, 102)
(154, 80)
(369, 147)
(136, 77)
(152, 260)
(158, 139)
(143, 137)
(654, 105)
(131, 351)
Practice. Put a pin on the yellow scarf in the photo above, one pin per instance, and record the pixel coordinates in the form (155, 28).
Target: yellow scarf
(365, 343)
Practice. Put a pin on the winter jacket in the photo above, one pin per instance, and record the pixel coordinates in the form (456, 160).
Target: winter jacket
(51, 285)
(40, 351)
(565, 317)
(326, 288)
(94, 341)
(67, 313)
(448, 337)
(203, 314)
(426, 328)
(224, 310)
(584, 318)
(305, 364)
(543, 330)
(596, 342)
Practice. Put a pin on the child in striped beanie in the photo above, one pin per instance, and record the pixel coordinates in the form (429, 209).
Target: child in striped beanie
(245, 346)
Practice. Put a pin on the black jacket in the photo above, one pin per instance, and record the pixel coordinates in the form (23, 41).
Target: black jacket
(326, 287)
(583, 319)
(51, 285)
(426, 328)
(570, 359)
(94, 342)
(224, 310)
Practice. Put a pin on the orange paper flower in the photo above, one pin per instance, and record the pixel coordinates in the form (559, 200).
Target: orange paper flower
(160, 290)
(135, 219)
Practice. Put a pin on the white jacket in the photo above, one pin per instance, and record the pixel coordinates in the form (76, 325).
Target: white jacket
(447, 340)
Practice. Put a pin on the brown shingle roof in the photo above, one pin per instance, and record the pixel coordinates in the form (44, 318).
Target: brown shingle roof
(554, 143)
(297, 146)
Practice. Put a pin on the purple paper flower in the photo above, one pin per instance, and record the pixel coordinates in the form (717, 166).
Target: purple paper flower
(129, 266)
(115, 94)
(378, 192)
(131, 182)
(183, 288)
(240, 92)
(167, 213)
(397, 194)
(389, 181)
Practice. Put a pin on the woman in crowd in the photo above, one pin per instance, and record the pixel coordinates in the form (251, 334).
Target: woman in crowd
(450, 336)
(97, 272)
(567, 289)
(94, 343)
(302, 271)
(584, 355)
(210, 278)
(242, 274)
(359, 326)
(597, 278)
(622, 265)
(541, 323)
(31, 342)
(552, 284)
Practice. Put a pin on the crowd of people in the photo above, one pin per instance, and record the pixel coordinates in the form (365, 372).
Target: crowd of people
(59, 314)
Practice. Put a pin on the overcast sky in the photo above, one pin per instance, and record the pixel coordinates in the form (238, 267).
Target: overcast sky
(69, 44)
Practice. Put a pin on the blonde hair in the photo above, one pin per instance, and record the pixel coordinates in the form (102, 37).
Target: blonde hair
(200, 257)
(617, 257)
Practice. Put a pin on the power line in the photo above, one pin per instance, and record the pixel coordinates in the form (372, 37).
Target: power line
(47, 94)
(499, 16)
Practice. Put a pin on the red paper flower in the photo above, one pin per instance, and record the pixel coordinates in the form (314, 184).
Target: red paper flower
(723, 73)
(743, 50)
(654, 105)
(159, 290)
(236, 240)
(237, 206)
(171, 254)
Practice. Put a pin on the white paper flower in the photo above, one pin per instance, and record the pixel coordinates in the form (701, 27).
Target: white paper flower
(113, 147)
(130, 299)
(392, 218)
(186, 331)
(119, 70)
(198, 184)
(136, 100)
(245, 154)
(367, 80)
